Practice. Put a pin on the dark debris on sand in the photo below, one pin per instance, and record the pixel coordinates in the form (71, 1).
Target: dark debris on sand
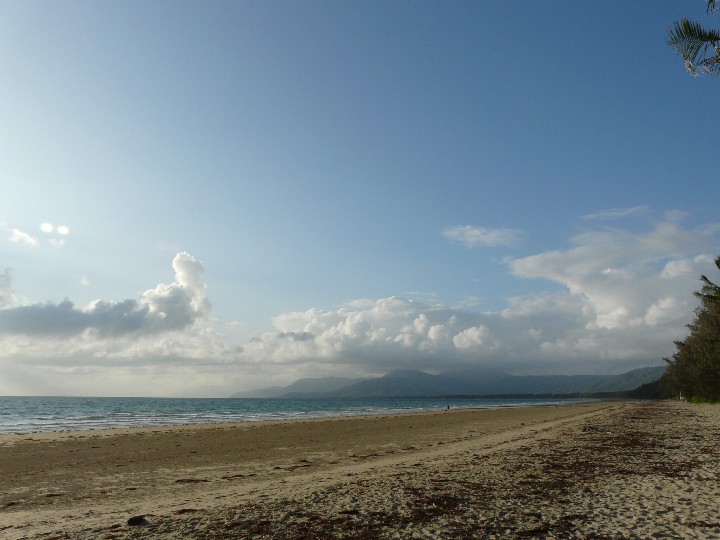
(521, 502)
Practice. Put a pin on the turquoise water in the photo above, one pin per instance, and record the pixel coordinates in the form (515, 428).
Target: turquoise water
(32, 414)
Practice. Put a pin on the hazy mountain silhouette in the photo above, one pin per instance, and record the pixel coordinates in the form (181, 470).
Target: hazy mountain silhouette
(301, 386)
(469, 382)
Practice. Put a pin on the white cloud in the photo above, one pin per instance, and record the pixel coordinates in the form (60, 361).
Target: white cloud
(627, 296)
(474, 337)
(161, 343)
(684, 267)
(164, 308)
(479, 236)
(19, 237)
(617, 213)
(619, 274)
(53, 236)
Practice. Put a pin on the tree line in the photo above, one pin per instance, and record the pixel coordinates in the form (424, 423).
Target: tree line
(693, 371)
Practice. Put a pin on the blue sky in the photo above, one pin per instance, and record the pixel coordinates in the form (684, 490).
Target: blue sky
(345, 188)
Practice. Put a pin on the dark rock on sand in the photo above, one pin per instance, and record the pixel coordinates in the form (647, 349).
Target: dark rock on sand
(137, 520)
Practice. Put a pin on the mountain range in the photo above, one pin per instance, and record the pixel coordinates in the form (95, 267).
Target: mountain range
(470, 382)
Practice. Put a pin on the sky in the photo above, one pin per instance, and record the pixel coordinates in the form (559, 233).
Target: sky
(203, 198)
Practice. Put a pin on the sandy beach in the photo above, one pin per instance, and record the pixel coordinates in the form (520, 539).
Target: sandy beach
(595, 470)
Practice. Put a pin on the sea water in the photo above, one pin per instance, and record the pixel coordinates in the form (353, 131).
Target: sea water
(35, 414)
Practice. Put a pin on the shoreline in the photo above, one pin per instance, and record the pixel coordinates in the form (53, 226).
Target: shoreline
(462, 473)
(105, 432)
(211, 418)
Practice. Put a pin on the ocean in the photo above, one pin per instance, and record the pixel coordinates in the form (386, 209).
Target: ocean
(42, 414)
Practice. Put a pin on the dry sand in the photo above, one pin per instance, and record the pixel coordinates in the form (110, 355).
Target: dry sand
(599, 470)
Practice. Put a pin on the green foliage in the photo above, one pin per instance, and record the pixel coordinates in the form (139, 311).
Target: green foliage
(694, 370)
(651, 390)
(698, 400)
(699, 47)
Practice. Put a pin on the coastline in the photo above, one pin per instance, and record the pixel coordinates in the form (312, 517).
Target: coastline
(37, 414)
(602, 468)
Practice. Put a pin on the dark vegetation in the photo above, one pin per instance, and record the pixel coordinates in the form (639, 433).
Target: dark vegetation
(693, 372)
(694, 369)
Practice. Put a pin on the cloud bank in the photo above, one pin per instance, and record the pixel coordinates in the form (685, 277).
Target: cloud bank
(625, 297)
(166, 307)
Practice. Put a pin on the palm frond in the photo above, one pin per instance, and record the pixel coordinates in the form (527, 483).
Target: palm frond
(700, 48)
(711, 65)
(712, 6)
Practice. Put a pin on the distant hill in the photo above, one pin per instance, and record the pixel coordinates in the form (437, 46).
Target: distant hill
(397, 383)
(470, 382)
(305, 386)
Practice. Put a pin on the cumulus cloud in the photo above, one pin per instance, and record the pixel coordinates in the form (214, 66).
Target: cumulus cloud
(390, 332)
(164, 308)
(626, 297)
(480, 236)
(472, 337)
(535, 333)
(160, 343)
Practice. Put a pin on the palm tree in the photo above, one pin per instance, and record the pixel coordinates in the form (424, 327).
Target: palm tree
(699, 47)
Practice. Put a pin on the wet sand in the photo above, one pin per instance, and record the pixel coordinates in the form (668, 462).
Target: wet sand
(597, 470)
